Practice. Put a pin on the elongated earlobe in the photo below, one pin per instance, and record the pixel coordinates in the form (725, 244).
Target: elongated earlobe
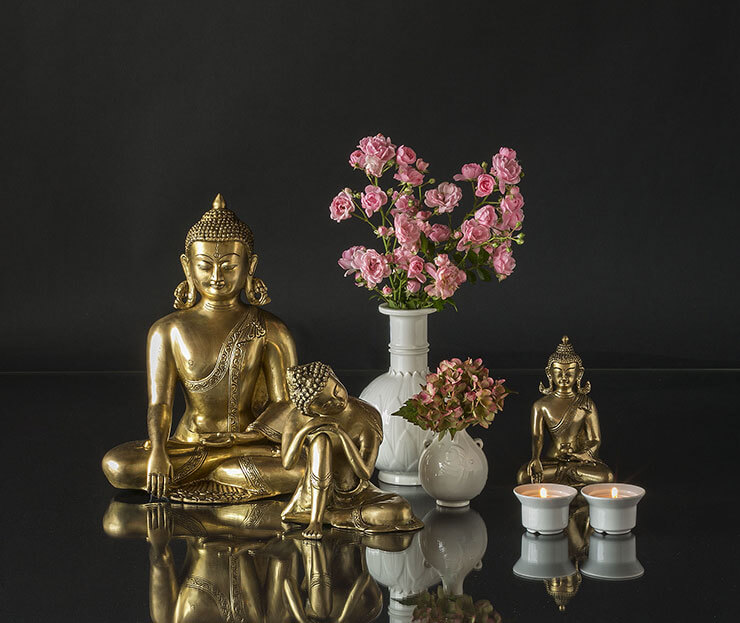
(254, 288)
(185, 291)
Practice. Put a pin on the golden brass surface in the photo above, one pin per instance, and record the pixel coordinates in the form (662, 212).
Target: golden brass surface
(241, 438)
(570, 418)
(243, 565)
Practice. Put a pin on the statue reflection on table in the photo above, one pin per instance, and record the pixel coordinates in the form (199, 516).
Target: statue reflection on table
(231, 359)
(569, 415)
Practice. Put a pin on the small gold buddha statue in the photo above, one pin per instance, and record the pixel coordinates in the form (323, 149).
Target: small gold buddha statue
(569, 415)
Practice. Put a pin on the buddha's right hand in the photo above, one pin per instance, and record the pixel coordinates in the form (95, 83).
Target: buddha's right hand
(534, 469)
(159, 473)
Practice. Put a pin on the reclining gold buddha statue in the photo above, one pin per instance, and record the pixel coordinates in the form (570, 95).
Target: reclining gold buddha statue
(231, 359)
(569, 415)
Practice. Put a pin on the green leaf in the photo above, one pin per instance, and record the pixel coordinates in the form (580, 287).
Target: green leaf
(471, 276)
(485, 275)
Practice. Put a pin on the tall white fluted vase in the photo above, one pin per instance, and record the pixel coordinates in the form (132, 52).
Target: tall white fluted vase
(403, 442)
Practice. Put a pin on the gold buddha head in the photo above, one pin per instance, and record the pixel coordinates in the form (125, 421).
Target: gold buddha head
(564, 369)
(219, 260)
(315, 389)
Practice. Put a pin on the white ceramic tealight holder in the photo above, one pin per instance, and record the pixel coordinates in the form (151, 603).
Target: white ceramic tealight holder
(613, 506)
(612, 557)
(544, 556)
(545, 506)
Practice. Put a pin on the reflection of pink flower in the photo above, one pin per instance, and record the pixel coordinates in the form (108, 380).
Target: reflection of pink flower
(372, 199)
(357, 159)
(438, 233)
(469, 172)
(408, 175)
(350, 259)
(506, 168)
(485, 185)
(474, 233)
(503, 262)
(341, 207)
(374, 267)
(405, 155)
(445, 197)
(421, 165)
(407, 232)
(486, 215)
(447, 277)
(416, 268)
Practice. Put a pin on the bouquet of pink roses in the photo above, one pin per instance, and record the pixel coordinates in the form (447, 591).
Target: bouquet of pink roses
(422, 263)
(458, 394)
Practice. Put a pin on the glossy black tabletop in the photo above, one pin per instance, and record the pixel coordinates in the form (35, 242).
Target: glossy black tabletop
(673, 432)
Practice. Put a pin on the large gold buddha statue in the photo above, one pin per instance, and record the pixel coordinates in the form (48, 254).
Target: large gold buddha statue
(569, 415)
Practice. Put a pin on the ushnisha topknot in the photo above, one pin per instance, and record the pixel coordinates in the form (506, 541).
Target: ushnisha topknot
(564, 353)
(306, 381)
(220, 224)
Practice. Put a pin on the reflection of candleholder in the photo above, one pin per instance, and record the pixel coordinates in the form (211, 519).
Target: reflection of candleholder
(612, 557)
(544, 557)
(453, 542)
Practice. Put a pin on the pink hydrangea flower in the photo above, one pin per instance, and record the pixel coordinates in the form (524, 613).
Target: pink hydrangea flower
(373, 267)
(506, 168)
(438, 233)
(469, 172)
(409, 175)
(405, 155)
(407, 232)
(473, 234)
(486, 216)
(357, 159)
(421, 165)
(485, 185)
(372, 199)
(341, 207)
(445, 197)
(350, 260)
(503, 262)
(447, 277)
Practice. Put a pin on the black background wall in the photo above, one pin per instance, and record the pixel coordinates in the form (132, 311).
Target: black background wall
(124, 119)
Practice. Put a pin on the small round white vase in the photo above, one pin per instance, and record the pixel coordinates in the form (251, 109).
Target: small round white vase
(398, 456)
(453, 470)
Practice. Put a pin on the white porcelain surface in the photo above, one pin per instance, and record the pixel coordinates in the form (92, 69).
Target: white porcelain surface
(453, 471)
(544, 557)
(398, 456)
(548, 515)
(453, 542)
(613, 515)
(612, 557)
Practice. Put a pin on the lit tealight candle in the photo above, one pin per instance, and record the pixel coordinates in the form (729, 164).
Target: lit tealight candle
(613, 507)
(545, 506)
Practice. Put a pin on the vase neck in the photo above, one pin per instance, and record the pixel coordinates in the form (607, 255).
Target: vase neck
(408, 346)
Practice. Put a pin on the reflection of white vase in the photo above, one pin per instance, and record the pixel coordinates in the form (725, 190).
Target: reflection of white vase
(453, 471)
(612, 557)
(405, 575)
(454, 541)
(398, 457)
(544, 556)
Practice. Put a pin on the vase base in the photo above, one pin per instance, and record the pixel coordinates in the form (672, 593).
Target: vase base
(408, 479)
(447, 504)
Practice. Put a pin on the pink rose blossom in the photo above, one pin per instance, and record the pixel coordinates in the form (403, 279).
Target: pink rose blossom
(447, 277)
(341, 207)
(374, 267)
(416, 268)
(485, 185)
(374, 166)
(404, 203)
(384, 232)
(422, 215)
(378, 146)
(357, 159)
(474, 234)
(387, 291)
(515, 198)
(445, 197)
(503, 262)
(511, 217)
(372, 199)
(405, 155)
(469, 172)
(402, 257)
(407, 232)
(438, 233)
(413, 286)
(486, 216)
(421, 165)
(506, 168)
(350, 259)
(408, 175)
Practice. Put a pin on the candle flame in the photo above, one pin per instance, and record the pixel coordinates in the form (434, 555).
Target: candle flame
(543, 492)
(615, 492)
